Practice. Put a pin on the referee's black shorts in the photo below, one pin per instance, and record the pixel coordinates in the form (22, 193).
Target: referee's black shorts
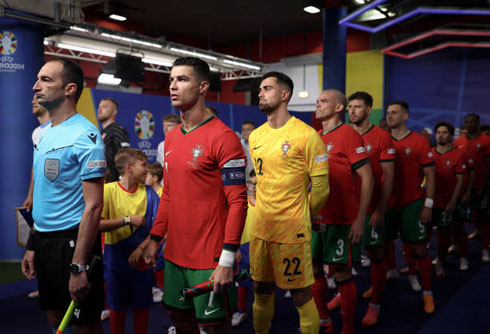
(53, 255)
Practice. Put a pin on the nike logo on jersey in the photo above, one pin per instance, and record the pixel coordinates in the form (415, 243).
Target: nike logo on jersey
(167, 153)
(257, 147)
(335, 259)
(206, 312)
(291, 280)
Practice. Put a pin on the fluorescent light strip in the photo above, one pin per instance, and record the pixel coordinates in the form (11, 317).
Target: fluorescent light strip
(86, 50)
(108, 79)
(131, 40)
(78, 29)
(117, 17)
(193, 53)
(240, 64)
(157, 62)
(311, 9)
(421, 10)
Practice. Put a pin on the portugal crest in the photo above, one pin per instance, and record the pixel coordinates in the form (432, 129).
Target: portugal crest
(285, 148)
(196, 152)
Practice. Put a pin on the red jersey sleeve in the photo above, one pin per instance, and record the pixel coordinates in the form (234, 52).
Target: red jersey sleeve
(426, 156)
(387, 148)
(355, 150)
(232, 161)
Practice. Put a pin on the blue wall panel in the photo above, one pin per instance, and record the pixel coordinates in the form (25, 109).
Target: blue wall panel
(441, 86)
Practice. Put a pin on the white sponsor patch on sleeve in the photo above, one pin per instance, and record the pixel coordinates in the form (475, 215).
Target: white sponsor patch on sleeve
(391, 151)
(430, 155)
(234, 163)
(96, 164)
(321, 158)
(464, 166)
(360, 150)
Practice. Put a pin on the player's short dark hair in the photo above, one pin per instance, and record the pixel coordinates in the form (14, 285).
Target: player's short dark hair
(401, 103)
(364, 96)
(484, 127)
(201, 68)
(213, 110)
(155, 169)
(114, 102)
(252, 173)
(282, 79)
(476, 116)
(172, 118)
(72, 73)
(448, 126)
(128, 156)
(249, 122)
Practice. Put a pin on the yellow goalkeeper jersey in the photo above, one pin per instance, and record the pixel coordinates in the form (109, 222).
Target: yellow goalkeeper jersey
(284, 160)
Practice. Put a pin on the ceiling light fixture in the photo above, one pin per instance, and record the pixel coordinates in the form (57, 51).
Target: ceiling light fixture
(360, 2)
(87, 50)
(108, 79)
(311, 9)
(78, 29)
(241, 64)
(130, 40)
(117, 17)
(157, 62)
(194, 53)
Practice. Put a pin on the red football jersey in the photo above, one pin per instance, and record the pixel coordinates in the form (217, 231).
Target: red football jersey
(380, 148)
(413, 152)
(480, 146)
(447, 165)
(204, 200)
(346, 153)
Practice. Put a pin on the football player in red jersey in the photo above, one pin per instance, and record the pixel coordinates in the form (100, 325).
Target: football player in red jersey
(203, 206)
(408, 211)
(379, 146)
(340, 225)
(479, 144)
(450, 168)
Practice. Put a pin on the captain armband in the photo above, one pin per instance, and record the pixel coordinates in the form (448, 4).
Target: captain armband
(233, 172)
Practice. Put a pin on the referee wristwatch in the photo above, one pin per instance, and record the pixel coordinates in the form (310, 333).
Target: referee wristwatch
(77, 268)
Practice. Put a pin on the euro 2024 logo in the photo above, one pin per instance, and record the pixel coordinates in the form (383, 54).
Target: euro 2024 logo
(8, 43)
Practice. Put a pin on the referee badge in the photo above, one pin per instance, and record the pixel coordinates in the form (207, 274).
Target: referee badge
(51, 169)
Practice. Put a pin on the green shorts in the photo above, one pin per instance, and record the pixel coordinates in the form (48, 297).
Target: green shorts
(479, 202)
(441, 218)
(373, 236)
(406, 220)
(333, 246)
(178, 278)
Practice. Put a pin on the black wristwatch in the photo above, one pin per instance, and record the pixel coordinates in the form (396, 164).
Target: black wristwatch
(77, 268)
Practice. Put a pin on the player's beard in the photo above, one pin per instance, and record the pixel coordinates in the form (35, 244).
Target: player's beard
(268, 107)
(359, 120)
